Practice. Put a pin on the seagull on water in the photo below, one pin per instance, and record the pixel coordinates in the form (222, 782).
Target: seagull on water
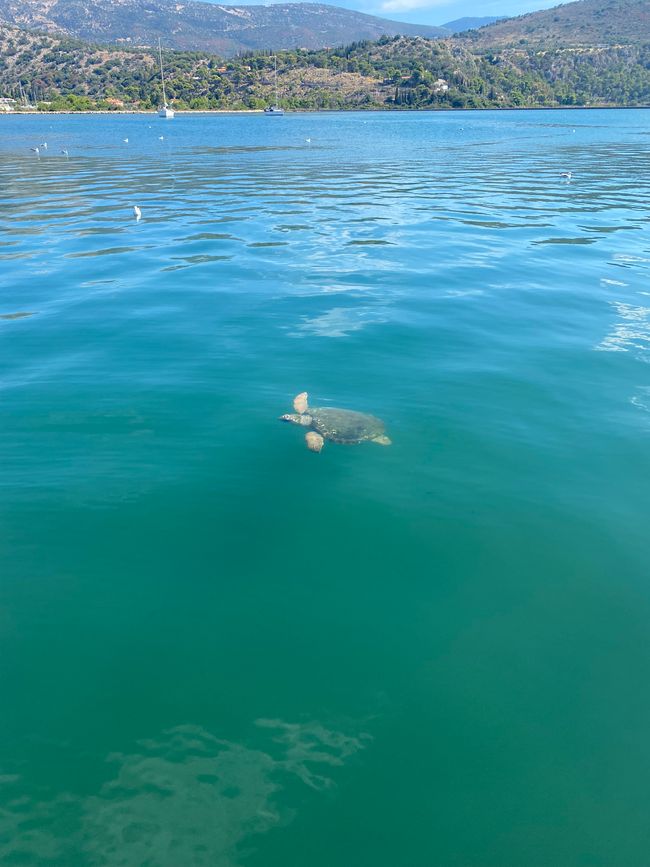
(125, 140)
(64, 152)
(137, 213)
(35, 150)
(161, 137)
(44, 145)
(567, 175)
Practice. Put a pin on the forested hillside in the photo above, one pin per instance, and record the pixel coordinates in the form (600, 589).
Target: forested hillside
(402, 72)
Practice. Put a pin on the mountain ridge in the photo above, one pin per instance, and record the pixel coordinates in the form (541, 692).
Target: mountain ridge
(460, 25)
(580, 23)
(200, 26)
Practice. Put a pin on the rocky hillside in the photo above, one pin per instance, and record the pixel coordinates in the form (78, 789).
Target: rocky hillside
(43, 66)
(198, 26)
(585, 23)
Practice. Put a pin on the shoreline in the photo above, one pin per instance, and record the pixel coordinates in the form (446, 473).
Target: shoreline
(190, 111)
(148, 113)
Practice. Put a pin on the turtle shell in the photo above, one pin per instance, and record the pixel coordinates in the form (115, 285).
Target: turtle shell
(345, 425)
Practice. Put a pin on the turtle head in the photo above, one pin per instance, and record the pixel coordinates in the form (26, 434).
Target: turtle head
(296, 418)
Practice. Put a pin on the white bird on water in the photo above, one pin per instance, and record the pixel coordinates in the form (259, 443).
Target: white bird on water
(44, 145)
(64, 152)
(567, 175)
(161, 137)
(137, 213)
(35, 150)
(125, 140)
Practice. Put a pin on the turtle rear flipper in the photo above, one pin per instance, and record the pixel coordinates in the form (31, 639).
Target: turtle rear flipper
(315, 441)
(300, 402)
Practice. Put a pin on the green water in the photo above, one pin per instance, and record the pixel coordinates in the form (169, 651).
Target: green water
(221, 649)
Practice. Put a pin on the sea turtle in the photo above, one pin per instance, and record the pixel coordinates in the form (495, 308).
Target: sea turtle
(338, 425)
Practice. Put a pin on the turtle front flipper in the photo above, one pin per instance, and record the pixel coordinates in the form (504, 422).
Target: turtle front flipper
(300, 402)
(315, 441)
(297, 418)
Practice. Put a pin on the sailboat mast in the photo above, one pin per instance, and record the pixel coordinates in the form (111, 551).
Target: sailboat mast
(162, 77)
(274, 110)
(275, 69)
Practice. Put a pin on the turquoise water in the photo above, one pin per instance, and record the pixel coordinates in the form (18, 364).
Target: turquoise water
(220, 649)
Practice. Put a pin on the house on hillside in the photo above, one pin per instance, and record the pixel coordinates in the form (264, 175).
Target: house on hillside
(7, 104)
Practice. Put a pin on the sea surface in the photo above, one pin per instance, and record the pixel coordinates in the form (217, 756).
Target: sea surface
(219, 649)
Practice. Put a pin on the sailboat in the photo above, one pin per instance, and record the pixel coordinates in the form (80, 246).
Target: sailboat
(275, 108)
(164, 110)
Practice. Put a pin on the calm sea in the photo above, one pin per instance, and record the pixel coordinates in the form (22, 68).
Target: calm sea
(218, 648)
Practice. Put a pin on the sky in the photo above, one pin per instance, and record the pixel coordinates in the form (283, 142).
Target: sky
(428, 11)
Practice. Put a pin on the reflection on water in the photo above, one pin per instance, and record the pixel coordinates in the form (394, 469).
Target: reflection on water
(109, 251)
(184, 798)
(566, 241)
(339, 322)
(631, 330)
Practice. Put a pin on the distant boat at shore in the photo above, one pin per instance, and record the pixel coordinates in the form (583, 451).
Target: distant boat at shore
(164, 110)
(275, 109)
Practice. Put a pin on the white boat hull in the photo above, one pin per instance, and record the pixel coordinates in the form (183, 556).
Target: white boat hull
(166, 112)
